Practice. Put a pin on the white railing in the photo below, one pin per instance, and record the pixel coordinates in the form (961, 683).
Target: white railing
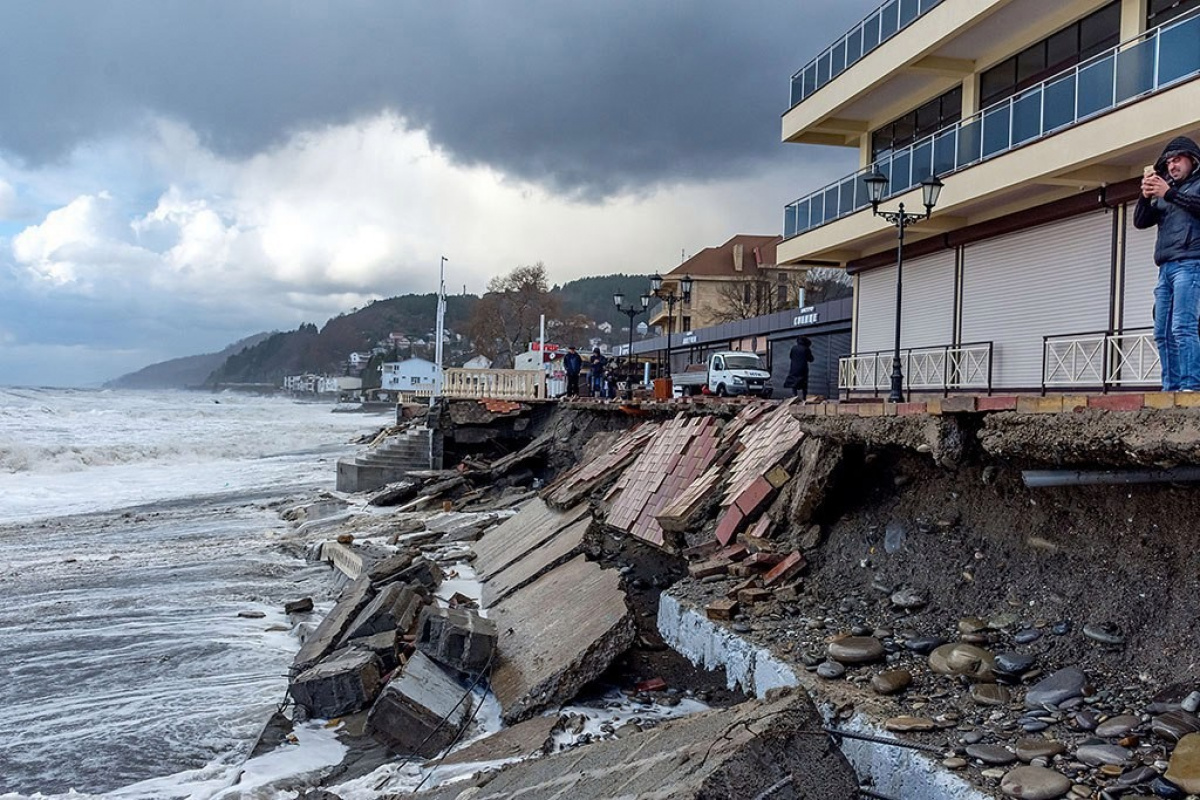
(501, 384)
(962, 366)
(1101, 359)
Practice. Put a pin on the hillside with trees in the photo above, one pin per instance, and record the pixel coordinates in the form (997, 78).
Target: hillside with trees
(180, 373)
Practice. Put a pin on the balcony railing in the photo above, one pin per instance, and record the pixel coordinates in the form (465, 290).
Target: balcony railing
(501, 384)
(1101, 359)
(1153, 61)
(926, 369)
(880, 25)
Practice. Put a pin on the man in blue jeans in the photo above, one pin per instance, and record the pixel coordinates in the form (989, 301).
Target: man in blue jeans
(1171, 200)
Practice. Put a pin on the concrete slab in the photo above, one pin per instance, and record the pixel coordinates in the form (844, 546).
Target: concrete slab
(557, 634)
(532, 737)
(757, 749)
(529, 528)
(457, 638)
(395, 608)
(322, 641)
(419, 711)
(343, 683)
(562, 546)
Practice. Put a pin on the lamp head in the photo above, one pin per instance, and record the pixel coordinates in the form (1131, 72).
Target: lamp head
(685, 286)
(931, 189)
(876, 183)
(618, 299)
(656, 283)
(645, 302)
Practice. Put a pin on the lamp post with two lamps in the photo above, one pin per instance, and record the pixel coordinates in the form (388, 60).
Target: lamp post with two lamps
(670, 298)
(631, 312)
(931, 187)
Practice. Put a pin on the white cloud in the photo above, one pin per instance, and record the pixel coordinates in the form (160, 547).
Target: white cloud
(8, 199)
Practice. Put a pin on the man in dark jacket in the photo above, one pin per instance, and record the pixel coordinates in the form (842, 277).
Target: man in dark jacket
(1171, 200)
(800, 356)
(599, 385)
(572, 364)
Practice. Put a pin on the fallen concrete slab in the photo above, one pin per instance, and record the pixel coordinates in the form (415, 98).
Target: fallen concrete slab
(421, 710)
(532, 737)
(457, 638)
(557, 634)
(343, 683)
(322, 641)
(395, 608)
(519, 534)
(757, 749)
(563, 545)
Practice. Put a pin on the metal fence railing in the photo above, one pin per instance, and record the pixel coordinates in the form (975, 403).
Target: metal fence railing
(926, 369)
(1100, 359)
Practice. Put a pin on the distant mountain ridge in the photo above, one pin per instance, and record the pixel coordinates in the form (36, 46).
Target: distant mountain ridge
(181, 373)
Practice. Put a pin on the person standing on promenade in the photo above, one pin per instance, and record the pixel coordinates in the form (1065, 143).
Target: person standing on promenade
(1171, 200)
(572, 365)
(800, 357)
(599, 385)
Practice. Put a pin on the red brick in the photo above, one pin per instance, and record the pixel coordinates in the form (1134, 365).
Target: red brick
(730, 524)
(784, 569)
(764, 561)
(1117, 402)
(754, 496)
(847, 409)
(907, 409)
(761, 528)
(959, 404)
(749, 583)
(704, 569)
(735, 552)
(999, 403)
(751, 596)
(652, 685)
(721, 609)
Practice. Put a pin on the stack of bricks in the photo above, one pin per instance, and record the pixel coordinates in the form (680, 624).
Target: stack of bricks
(579, 481)
(679, 455)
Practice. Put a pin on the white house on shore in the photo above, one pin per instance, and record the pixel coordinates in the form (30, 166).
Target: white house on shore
(409, 375)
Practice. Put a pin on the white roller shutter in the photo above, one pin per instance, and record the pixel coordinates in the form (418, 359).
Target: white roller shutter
(1141, 274)
(1050, 280)
(928, 319)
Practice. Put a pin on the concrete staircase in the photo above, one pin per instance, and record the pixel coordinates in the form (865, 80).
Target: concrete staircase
(387, 463)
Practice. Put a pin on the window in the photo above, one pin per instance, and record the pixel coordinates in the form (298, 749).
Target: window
(1078, 42)
(940, 112)
(1160, 11)
(687, 323)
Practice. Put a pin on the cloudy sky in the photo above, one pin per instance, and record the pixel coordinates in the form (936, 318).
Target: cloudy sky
(175, 175)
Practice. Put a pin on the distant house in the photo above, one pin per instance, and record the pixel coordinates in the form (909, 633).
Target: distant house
(409, 375)
(478, 362)
(399, 340)
(605, 327)
(358, 361)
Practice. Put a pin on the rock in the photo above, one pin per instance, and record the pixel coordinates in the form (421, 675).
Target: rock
(1061, 628)
(1191, 703)
(1027, 636)
(1184, 768)
(954, 762)
(1104, 633)
(1029, 749)
(924, 644)
(1057, 688)
(298, 606)
(419, 710)
(1086, 720)
(907, 724)
(1118, 726)
(856, 650)
(1174, 725)
(892, 681)
(456, 637)
(1012, 666)
(992, 754)
(1164, 788)
(990, 694)
(830, 670)
(963, 659)
(345, 682)
(1097, 754)
(1035, 783)
(908, 599)
(251, 614)
(971, 625)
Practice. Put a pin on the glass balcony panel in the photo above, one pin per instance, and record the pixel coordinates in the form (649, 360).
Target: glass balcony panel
(839, 58)
(928, 4)
(823, 69)
(1027, 116)
(995, 129)
(831, 204)
(969, 142)
(902, 172)
(889, 18)
(908, 11)
(1095, 87)
(945, 148)
(1060, 103)
(922, 158)
(846, 195)
(854, 46)
(871, 33)
(1179, 51)
(1135, 70)
(796, 92)
(790, 226)
(810, 79)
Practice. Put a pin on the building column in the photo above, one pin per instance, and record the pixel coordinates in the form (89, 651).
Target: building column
(970, 94)
(1133, 18)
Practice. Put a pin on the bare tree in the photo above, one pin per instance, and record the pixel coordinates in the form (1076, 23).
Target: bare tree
(756, 295)
(507, 317)
(827, 283)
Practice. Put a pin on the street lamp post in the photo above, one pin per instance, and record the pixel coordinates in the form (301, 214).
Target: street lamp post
(931, 187)
(670, 298)
(631, 312)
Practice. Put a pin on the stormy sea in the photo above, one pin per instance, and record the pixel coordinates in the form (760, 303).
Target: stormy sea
(143, 574)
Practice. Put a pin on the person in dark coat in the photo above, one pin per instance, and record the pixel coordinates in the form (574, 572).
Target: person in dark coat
(599, 385)
(1171, 200)
(800, 356)
(572, 365)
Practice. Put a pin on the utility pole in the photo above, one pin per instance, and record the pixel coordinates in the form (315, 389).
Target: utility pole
(440, 329)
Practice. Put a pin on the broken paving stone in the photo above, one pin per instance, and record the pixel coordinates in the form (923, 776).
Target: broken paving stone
(385, 646)
(421, 710)
(651, 685)
(393, 609)
(533, 737)
(751, 596)
(764, 561)
(784, 570)
(705, 569)
(345, 682)
(321, 641)
(457, 637)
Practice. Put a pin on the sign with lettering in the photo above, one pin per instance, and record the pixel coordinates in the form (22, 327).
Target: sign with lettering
(807, 316)
(689, 338)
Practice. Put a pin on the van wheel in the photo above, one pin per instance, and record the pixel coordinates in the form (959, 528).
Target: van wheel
(721, 390)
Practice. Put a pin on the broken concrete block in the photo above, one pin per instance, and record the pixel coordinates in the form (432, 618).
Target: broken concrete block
(421, 572)
(302, 606)
(419, 711)
(343, 683)
(394, 608)
(763, 561)
(531, 737)
(562, 546)
(456, 637)
(382, 570)
(520, 534)
(385, 646)
(321, 641)
(558, 634)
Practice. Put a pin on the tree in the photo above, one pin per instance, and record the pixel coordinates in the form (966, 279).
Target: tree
(508, 316)
(827, 283)
(755, 295)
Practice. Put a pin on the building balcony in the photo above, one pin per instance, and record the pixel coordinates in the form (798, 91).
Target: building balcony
(1057, 123)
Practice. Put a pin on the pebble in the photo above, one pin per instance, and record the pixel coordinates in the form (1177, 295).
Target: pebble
(1184, 767)
(1035, 783)
(741, 627)
(971, 625)
(251, 614)
(1174, 725)
(1105, 633)
(963, 659)
(990, 694)
(830, 670)
(972, 737)
(856, 650)
(954, 762)
(908, 599)
(992, 754)
(1135, 776)
(1061, 628)
(1026, 636)
(1086, 720)
(1030, 725)
(1059, 687)
(1010, 664)
(892, 681)
(924, 644)
(1191, 703)
(1164, 788)
(1097, 754)
(993, 773)
(1118, 726)
(907, 724)
(1029, 749)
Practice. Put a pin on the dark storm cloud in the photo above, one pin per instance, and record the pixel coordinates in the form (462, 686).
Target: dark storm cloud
(587, 97)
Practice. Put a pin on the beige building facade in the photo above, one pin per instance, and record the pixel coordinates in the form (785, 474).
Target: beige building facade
(1039, 118)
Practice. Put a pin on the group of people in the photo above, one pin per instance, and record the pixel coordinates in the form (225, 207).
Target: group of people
(601, 378)
(1171, 200)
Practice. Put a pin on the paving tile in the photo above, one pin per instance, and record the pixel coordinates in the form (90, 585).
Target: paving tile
(755, 496)
(1032, 404)
(998, 403)
(959, 404)
(784, 569)
(909, 409)
(729, 525)
(1159, 400)
(1117, 402)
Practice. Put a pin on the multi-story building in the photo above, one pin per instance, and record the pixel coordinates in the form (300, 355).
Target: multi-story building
(1039, 118)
